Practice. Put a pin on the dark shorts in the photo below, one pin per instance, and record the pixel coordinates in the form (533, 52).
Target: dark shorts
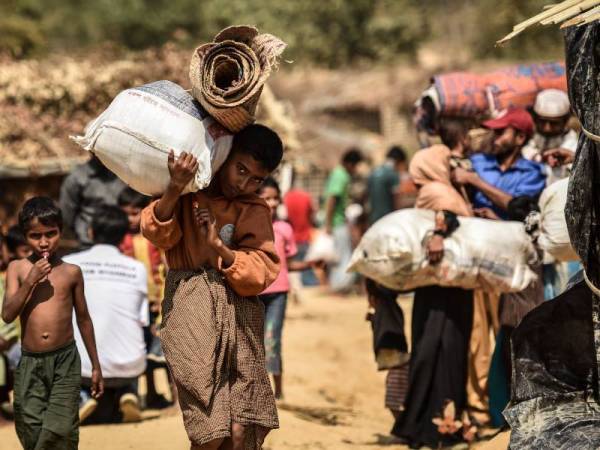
(47, 386)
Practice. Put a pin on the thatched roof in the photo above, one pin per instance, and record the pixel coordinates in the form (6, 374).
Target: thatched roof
(323, 141)
(316, 90)
(43, 102)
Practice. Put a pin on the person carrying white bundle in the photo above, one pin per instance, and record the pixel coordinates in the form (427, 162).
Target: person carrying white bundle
(134, 135)
(442, 317)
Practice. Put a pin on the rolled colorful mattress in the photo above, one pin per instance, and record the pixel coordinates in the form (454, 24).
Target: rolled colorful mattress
(228, 75)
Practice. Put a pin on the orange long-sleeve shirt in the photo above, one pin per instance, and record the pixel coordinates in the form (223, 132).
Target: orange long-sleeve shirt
(244, 225)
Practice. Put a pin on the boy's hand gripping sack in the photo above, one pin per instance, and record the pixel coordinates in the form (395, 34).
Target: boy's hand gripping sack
(134, 135)
(481, 254)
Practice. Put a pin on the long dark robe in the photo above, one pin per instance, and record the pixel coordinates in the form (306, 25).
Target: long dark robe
(441, 329)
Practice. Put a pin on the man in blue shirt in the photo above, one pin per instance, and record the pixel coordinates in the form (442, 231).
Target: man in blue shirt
(499, 177)
(504, 174)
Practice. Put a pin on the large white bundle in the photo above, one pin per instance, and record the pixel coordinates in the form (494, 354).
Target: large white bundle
(554, 237)
(133, 136)
(488, 254)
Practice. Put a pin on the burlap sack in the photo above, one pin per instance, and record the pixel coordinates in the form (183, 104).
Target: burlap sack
(228, 74)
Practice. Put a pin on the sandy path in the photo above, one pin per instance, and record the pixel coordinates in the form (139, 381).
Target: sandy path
(334, 395)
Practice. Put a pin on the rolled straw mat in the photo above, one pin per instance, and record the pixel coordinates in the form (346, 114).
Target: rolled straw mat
(228, 75)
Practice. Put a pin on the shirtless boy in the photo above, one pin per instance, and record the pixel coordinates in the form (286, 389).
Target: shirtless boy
(43, 290)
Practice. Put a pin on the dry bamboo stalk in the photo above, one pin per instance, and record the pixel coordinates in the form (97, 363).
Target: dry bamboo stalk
(570, 12)
(548, 13)
(559, 13)
(591, 19)
(520, 27)
(582, 18)
(589, 13)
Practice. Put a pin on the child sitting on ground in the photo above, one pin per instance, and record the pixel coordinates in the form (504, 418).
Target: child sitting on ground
(42, 291)
(220, 253)
(138, 247)
(275, 296)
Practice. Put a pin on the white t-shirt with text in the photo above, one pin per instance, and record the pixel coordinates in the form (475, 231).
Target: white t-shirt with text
(117, 297)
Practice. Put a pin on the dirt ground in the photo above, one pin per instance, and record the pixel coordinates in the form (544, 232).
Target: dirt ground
(334, 396)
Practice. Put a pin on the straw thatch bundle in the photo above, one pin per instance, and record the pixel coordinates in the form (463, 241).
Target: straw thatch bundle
(568, 13)
(228, 75)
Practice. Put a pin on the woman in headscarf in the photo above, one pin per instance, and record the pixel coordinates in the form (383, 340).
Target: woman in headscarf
(442, 317)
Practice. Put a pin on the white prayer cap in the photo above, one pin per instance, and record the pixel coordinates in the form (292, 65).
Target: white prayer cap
(552, 103)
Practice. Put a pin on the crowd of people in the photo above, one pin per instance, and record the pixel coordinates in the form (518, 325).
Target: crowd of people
(460, 339)
(181, 283)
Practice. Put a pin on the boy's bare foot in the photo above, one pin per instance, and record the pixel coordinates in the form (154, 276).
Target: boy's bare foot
(130, 408)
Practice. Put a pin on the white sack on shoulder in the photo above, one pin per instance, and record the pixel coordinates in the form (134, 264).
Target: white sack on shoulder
(486, 254)
(554, 236)
(133, 136)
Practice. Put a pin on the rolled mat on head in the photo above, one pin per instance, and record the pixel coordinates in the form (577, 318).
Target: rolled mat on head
(228, 75)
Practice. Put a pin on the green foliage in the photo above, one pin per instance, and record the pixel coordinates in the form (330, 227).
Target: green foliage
(19, 36)
(323, 32)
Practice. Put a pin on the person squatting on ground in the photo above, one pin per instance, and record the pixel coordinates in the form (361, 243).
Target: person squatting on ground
(116, 293)
(275, 296)
(42, 291)
(220, 252)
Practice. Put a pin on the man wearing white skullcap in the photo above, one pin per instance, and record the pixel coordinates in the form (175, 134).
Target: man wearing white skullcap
(553, 143)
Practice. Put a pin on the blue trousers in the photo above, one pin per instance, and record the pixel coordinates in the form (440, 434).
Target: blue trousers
(275, 305)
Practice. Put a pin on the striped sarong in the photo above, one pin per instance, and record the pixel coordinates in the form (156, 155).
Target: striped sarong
(213, 343)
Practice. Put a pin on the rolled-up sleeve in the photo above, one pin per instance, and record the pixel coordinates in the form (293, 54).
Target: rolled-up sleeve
(164, 235)
(256, 264)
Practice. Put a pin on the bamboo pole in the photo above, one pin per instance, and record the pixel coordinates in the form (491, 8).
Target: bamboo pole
(591, 18)
(548, 13)
(581, 19)
(571, 10)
